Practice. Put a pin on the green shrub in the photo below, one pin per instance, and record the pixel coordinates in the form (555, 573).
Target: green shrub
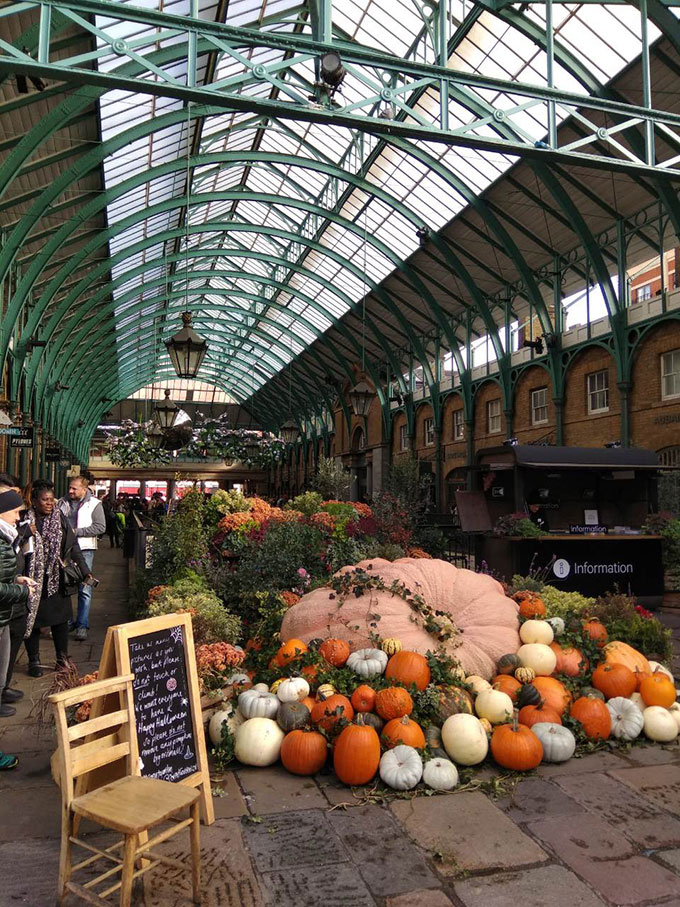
(307, 503)
(646, 634)
(332, 480)
(559, 603)
(180, 541)
(211, 621)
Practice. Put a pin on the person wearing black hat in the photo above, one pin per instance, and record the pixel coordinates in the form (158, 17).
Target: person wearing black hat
(537, 513)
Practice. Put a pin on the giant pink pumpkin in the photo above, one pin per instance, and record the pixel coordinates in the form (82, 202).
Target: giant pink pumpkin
(475, 602)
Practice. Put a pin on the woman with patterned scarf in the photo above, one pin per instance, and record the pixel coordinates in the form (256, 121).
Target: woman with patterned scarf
(50, 603)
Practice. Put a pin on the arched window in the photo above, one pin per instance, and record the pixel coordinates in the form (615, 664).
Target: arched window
(358, 439)
(669, 456)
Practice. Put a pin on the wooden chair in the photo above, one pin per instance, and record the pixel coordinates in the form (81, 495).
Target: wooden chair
(130, 805)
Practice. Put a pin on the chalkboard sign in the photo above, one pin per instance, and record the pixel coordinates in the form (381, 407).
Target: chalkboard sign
(167, 702)
(165, 734)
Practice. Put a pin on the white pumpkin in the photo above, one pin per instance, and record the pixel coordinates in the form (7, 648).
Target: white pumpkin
(401, 768)
(477, 684)
(659, 724)
(258, 704)
(440, 774)
(558, 742)
(368, 662)
(627, 720)
(675, 712)
(261, 687)
(465, 739)
(557, 625)
(538, 656)
(638, 701)
(657, 666)
(293, 689)
(494, 705)
(238, 679)
(536, 631)
(227, 715)
(258, 742)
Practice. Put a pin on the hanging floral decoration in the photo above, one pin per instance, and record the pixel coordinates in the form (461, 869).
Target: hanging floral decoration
(132, 446)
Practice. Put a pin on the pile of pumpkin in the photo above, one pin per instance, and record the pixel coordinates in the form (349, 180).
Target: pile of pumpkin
(519, 715)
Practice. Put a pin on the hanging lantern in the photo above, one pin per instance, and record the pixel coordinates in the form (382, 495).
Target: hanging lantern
(186, 349)
(154, 433)
(360, 398)
(289, 432)
(165, 413)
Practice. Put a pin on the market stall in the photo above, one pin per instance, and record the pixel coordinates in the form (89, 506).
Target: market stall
(590, 505)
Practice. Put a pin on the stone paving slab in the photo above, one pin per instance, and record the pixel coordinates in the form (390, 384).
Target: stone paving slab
(627, 810)
(653, 754)
(430, 898)
(545, 886)
(604, 858)
(316, 886)
(670, 858)
(230, 804)
(227, 879)
(33, 771)
(389, 863)
(595, 762)
(273, 790)
(29, 813)
(286, 840)
(661, 786)
(536, 798)
(466, 832)
(29, 869)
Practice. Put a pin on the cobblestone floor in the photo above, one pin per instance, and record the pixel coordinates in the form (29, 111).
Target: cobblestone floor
(602, 830)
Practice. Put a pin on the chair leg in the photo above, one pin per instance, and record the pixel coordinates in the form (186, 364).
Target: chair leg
(195, 832)
(128, 870)
(64, 856)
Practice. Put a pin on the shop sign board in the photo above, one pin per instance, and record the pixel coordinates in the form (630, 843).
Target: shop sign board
(21, 437)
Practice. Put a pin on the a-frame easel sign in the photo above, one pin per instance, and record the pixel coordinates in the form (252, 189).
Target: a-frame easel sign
(160, 653)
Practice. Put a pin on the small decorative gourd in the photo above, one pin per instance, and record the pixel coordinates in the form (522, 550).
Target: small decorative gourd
(493, 705)
(558, 742)
(659, 724)
(537, 656)
(627, 720)
(391, 645)
(256, 704)
(401, 768)
(557, 625)
(440, 774)
(525, 675)
(324, 691)
(507, 664)
(528, 695)
(477, 684)
(293, 689)
(367, 662)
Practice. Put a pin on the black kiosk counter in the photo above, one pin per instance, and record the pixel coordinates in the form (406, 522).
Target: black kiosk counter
(591, 502)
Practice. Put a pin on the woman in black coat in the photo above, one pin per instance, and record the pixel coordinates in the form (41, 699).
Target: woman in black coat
(54, 543)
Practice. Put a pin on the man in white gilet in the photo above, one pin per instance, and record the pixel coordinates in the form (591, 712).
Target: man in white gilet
(86, 515)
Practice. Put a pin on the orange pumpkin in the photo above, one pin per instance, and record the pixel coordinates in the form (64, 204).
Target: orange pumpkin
(617, 652)
(309, 672)
(553, 692)
(658, 689)
(407, 668)
(593, 716)
(290, 650)
(335, 651)
(254, 644)
(363, 698)
(596, 630)
(394, 702)
(614, 680)
(303, 752)
(310, 702)
(570, 661)
(402, 730)
(639, 677)
(328, 712)
(529, 715)
(356, 755)
(516, 747)
(532, 606)
(506, 684)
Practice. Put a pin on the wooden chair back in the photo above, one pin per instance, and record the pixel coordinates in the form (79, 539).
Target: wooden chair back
(95, 742)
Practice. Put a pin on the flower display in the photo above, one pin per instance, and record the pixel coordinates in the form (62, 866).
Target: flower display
(215, 660)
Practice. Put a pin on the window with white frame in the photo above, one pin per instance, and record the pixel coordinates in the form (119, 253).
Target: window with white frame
(670, 375)
(428, 425)
(598, 391)
(493, 417)
(458, 425)
(403, 438)
(644, 292)
(539, 406)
